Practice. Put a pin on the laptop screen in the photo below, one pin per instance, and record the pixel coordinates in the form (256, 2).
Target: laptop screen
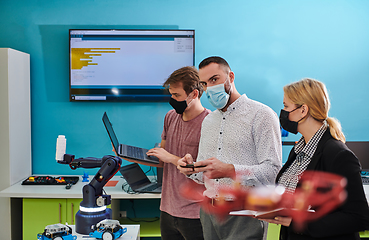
(134, 176)
(111, 133)
(159, 171)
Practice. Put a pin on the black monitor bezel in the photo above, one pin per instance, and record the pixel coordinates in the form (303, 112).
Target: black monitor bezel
(126, 95)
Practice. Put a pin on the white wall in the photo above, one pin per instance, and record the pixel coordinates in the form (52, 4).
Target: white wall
(15, 127)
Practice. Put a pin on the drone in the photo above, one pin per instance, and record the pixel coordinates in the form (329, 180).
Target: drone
(317, 194)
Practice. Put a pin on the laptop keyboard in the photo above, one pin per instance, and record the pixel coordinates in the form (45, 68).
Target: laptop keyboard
(135, 152)
(150, 188)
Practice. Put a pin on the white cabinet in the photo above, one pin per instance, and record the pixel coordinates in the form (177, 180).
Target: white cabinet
(15, 126)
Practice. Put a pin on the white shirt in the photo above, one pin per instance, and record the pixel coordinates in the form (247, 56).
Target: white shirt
(248, 136)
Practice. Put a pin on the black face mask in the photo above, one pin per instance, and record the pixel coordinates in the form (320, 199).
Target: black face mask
(180, 107)
(288, 125)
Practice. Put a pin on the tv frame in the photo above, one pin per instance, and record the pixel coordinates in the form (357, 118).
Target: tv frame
(146, 93)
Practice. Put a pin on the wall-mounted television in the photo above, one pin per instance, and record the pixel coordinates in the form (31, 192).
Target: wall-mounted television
(126, 65)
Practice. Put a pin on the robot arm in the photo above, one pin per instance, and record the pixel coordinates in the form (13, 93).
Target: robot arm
(93, 192)
(88, 162)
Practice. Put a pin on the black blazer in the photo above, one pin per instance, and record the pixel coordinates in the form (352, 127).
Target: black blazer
(346, 221)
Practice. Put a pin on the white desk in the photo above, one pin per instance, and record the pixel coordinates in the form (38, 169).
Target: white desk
(133, 232)
(54, 191)
(18, 192)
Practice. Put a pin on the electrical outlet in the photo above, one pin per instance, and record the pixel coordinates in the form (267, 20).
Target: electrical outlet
(123, 214)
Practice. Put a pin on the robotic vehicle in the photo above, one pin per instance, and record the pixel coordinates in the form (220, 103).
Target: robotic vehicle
(107, 229)
(57, 232)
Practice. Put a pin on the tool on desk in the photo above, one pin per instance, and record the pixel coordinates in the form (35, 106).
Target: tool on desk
(85, 177)
(49, 180)
(127, 151)
(138, 181)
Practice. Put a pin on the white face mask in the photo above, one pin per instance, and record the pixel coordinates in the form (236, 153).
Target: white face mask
(217, 96)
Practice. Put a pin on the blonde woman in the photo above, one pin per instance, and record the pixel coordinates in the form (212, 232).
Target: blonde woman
(322, 148)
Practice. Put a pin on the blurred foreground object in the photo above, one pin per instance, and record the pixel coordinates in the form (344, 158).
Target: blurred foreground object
(317, 194)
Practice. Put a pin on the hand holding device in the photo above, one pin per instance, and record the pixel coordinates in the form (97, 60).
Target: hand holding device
(186, 163)
(183, 162)
(191, 165)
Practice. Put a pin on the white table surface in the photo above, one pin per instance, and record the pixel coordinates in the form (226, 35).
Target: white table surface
(133, 232)
(55, 191)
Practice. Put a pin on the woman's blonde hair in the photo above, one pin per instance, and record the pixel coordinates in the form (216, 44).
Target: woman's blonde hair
(314, 94)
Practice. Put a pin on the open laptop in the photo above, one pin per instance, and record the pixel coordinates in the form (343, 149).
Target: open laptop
(127, 151)
(361, 150)
(138, 181)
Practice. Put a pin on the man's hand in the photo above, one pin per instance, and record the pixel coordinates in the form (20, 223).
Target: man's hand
(285, 221)
(214, 168)
(163, 155)
(139, 162)
(114, 150)
(187, 159)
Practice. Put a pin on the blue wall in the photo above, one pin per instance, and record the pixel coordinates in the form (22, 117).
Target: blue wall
(267, 43)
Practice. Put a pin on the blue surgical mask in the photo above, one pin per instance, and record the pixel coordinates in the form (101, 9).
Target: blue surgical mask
(217, 96)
